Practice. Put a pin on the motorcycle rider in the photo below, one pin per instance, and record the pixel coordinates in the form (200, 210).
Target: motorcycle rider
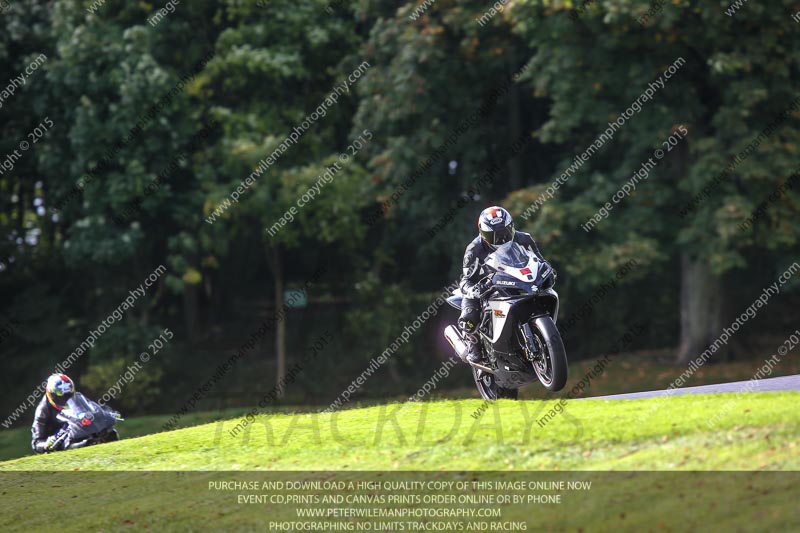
(495, 227)
(59, 389)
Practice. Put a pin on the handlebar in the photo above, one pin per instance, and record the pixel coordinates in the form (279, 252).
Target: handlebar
(489, 288)
(79, 444)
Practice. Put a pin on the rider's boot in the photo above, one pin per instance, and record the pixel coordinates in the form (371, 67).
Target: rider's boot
(474, 354)
(467, 323)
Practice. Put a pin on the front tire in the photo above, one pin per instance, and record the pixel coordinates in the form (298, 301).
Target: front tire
(113, 436)
(551, 365)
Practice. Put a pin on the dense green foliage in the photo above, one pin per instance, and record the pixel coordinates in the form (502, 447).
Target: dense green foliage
(154, 127)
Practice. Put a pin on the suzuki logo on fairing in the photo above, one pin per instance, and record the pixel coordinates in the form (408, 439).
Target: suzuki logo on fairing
(505, 283)
(499, 312)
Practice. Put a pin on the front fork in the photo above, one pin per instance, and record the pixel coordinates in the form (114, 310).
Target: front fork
(483, 333)
(529, 343)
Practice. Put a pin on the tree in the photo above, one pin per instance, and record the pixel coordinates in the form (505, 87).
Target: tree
(736, 78)
(267, 55)
(429, 75)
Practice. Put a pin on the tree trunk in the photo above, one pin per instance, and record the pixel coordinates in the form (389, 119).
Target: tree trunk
(190, 303)
(191, 300)
(701, 309)
(21, 205)
(701, 290)
(515, 131)
(280, 326)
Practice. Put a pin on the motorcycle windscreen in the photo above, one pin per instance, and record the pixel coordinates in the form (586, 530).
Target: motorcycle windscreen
(86, 417)
(510, 254)
(455, 300)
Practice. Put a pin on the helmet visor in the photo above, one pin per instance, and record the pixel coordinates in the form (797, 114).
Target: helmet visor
(503, 235)
(499, 236)
(60, 401)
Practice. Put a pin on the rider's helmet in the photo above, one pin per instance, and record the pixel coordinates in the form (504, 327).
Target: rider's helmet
(59, 389)
(495, 226)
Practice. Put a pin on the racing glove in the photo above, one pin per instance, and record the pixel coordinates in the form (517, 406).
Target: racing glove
(476, 290)
(472, 293)
(54, 443)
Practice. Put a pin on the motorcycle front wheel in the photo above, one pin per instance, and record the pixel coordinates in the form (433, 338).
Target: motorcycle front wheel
(550, 364)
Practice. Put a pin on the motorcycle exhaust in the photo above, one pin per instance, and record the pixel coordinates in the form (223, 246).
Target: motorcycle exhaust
(455, 339)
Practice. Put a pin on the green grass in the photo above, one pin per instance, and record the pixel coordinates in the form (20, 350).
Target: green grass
(123, 490)
(16, 443)
(641, 371)
(758, 431)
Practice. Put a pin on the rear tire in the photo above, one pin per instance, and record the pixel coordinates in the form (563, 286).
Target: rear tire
(489, 390)
(507, 394)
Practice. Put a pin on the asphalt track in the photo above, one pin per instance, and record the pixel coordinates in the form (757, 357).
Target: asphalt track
(785, 383)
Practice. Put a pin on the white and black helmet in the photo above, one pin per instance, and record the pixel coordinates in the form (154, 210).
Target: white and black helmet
(59, 390)
(496, 226)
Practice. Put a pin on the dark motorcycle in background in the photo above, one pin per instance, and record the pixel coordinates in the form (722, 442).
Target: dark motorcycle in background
(517, 330)
(85, 423)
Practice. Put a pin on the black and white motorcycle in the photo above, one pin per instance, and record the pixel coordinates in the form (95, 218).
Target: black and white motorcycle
(517, 329)
(85, 423)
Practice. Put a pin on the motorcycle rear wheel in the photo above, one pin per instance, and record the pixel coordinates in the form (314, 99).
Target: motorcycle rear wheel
(489, 390)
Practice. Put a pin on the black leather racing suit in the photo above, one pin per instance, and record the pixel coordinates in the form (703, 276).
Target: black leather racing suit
(44, 425)
(473, 270)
